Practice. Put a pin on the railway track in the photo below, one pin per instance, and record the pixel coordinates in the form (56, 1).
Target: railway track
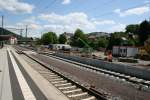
(137, 82)
(67, 86)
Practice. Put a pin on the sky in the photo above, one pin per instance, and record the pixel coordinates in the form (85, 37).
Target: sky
(67, 15)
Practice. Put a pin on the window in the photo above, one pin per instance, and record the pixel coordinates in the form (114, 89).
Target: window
(120, 50)
(125, 50)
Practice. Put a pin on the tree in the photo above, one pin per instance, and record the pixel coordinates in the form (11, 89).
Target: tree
(133, 28)
(102, 42)
(131, 42)
(144, 31)
(55, 38)
(49, 38)
(78, 36)
(62, 39)
(116, 39)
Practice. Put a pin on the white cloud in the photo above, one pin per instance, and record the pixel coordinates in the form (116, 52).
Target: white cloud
(34, 27)
(66, 2)
(15, 6)
(32, 23)
(134, 11)
(146, 2)
(117, 28)
(69, 22)
(104, 22)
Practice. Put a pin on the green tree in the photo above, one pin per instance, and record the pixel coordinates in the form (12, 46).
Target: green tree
(116, 39)
(49, 38)
(144, 31)
(131, 42)
(55, 38)
(102, 42)
(93, 44)
(78, 36)
(62, 39)
(133, 28)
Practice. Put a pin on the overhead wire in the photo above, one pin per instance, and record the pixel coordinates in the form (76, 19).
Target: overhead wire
(125, 9)
(102, 5)
(48, 6)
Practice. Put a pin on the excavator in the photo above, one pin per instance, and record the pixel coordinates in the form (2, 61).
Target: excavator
(147, 46)
(145, 50)
(87, 51)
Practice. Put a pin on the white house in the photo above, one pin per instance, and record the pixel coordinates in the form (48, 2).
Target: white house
(9, 38)
(13, 40)
(125, 51)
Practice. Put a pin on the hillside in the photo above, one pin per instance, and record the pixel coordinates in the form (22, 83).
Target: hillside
(98, 34)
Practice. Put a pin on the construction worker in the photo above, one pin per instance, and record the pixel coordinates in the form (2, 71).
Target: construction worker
(109, 57)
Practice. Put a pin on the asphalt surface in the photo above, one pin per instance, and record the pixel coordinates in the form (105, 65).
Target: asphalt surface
(124, 91)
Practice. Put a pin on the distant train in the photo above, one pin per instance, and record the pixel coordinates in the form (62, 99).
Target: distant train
(59, 47)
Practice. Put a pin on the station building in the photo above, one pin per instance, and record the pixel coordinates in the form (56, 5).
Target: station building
(9, 39)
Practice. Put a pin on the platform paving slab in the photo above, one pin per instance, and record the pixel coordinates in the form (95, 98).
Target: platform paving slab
(5, 85)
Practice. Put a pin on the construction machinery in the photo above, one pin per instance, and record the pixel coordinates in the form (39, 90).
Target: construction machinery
(144, 52)
(147, 46)
(87, 51)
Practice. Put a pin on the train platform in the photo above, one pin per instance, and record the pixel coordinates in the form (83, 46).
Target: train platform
(19, 81)
(5, 84)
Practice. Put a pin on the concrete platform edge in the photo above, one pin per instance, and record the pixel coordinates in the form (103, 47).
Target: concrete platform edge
(51, 92)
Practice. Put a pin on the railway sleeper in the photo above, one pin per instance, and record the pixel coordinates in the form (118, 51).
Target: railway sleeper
(89, 98)
(72, 91)
(44, 72)
(67, 87)
(63, 84)
(56, 79)
(56, 82)
(79, 95)
(52, 75)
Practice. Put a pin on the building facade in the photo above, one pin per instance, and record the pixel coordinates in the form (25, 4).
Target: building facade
(125, 51)
(9, 39)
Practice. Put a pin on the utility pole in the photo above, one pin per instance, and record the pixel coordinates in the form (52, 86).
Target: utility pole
(41, 34)
(21, 32)
(2, 21)
(26, 31)
(2, 25)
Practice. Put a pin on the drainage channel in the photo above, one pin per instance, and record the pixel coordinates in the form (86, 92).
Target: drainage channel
(71, 89)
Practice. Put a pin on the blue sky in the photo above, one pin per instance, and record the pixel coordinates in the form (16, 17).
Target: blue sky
(67, 15)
